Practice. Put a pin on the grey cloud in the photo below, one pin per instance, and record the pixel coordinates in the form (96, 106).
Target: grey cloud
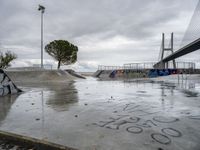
(128, 18)
(90, 22)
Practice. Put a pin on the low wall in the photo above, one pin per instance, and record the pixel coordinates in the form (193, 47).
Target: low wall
(6, 85)
(117, 74)
(142, 73)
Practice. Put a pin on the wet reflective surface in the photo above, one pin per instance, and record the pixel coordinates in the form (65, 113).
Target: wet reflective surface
(92, 114)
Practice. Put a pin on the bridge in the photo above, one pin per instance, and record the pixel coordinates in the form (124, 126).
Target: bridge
(191, 47)
(166, 63)
(184, 50)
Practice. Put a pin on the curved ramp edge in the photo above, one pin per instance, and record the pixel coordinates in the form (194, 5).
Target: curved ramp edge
(75, 74)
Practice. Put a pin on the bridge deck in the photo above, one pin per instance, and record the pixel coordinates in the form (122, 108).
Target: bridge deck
(191, 47)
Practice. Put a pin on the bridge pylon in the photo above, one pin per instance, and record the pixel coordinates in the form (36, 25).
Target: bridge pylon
(165, 65)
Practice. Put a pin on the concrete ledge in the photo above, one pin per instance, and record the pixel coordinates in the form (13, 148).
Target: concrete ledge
(31, 142)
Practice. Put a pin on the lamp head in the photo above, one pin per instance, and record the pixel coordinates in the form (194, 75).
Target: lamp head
(42, 8)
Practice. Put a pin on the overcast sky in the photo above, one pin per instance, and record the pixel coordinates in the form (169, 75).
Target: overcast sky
(107, 32)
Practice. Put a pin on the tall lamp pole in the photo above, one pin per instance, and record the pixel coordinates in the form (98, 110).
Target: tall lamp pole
(42, 9)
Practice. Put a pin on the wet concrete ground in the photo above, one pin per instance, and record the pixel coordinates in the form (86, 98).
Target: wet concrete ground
(108, 115)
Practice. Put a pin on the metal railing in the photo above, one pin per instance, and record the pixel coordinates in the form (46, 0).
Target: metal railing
(101, 67)
(147, 65)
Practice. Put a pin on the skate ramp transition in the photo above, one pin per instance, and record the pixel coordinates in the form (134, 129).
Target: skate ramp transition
(40, 76)
(75, 74)
(6, 85)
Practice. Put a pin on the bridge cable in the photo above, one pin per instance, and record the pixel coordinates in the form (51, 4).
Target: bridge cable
(193, 30)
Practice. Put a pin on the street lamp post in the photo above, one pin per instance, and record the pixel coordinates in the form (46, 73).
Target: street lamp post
(42, 9)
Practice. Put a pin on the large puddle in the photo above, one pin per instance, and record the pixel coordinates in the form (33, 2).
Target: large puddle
(108, 115)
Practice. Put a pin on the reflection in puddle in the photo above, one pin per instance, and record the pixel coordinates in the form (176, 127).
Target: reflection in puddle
(189, 93)
(6, 104)
(62, 96)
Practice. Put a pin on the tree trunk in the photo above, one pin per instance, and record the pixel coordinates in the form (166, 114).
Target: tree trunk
(59, 64)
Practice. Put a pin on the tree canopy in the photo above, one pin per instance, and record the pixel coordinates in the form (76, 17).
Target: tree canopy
(63, 51)
(6, 58)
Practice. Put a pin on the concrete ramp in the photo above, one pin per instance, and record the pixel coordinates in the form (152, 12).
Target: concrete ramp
(97, 73)
(6, 85)
(40, 76)
(75, 74)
